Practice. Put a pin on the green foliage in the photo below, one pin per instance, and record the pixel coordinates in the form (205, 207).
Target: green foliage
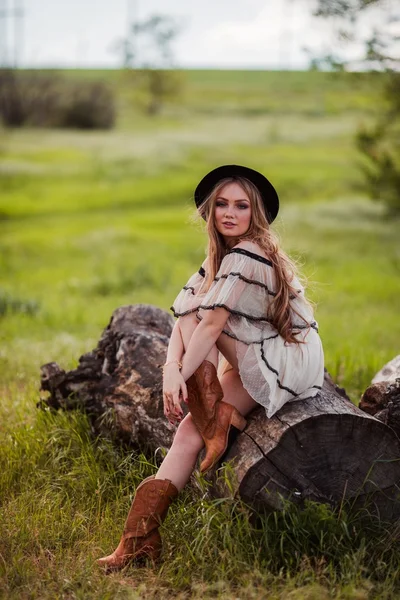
(153, 87)
(380, 145)
(88, 107)
(343, 8)
(57, 491)
(382, 171)
(45, 100)
(64, 496)
(160, 31)
(149, 70)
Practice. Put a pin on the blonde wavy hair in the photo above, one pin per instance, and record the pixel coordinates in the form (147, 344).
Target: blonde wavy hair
(259, 232)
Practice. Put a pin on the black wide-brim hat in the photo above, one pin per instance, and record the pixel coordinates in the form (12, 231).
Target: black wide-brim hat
(268, 193)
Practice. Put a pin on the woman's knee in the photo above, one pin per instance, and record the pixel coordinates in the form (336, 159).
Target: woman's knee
(188, 436)
(188, 321)
(227, 347)
(235, 393)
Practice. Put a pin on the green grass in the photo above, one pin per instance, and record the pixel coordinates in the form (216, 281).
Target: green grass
(92, 221)
(66, 496)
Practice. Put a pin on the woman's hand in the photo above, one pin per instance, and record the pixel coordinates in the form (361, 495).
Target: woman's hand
(174, 388)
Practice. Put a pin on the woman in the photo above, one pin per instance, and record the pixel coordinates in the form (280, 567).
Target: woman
(245, 303)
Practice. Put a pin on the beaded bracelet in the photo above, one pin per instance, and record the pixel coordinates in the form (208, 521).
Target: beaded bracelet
(170, 362)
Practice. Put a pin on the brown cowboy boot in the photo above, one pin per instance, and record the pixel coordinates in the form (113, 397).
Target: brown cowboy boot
(212, 417)
(141, 537)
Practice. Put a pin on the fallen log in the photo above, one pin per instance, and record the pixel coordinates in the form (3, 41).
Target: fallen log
(323, 449)
(382, 398)
(119, 383)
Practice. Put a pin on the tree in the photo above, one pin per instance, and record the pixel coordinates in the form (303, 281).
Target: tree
(148, 57)
(379, 143)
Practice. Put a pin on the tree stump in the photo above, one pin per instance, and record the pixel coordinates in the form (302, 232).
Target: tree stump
(323, 448)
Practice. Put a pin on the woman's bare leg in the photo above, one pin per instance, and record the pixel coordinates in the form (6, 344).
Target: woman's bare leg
(232, 386)
(234, 392)
(181, 458)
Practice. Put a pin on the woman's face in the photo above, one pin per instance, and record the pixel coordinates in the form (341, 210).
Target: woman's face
(232, 212)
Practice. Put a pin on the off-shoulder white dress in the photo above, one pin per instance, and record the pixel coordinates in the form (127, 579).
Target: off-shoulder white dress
(272, 371)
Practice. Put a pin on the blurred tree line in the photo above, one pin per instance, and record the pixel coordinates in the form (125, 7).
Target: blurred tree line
(40, 99)
(378, 143)
(46, 99)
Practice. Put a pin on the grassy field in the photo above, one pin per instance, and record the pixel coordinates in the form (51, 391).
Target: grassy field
(91, 221)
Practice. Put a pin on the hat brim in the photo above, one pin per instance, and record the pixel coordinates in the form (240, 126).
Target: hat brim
(268, 193)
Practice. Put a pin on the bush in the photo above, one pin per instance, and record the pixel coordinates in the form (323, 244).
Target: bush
(380, 146)
(89, 106)
(154, 87)
(46, 100)
(28, 99)
(382, 165)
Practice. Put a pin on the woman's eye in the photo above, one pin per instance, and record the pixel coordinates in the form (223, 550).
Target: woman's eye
(240, 206)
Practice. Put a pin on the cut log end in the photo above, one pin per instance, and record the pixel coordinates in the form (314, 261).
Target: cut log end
(322, 449)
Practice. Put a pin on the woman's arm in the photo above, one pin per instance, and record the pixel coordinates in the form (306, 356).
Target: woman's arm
(175, 345)
(203, 338)
(173, 383)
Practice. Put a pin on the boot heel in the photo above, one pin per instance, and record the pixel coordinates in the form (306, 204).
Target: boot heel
(237, 420)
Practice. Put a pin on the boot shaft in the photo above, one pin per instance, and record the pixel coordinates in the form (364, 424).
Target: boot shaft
(204, 392)
(150, 506)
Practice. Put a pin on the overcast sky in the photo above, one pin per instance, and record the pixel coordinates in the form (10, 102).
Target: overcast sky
(215, 33)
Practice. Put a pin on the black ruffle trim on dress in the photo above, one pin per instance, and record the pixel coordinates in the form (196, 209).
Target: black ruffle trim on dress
(251, 255)
(236, 313)
(243, 278)
(235, 337)
(213, 306)
(188, 287)
(252, 281)
(250, 317)
(183, 314)
(283, 387)
(202, 272)
(313, 325)
(240, 276)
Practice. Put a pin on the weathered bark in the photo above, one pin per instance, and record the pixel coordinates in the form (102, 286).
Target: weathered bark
(119, 383)
(323, 448)
(382, 398)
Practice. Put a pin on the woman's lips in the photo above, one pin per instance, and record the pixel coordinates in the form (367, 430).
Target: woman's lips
(228, 225)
